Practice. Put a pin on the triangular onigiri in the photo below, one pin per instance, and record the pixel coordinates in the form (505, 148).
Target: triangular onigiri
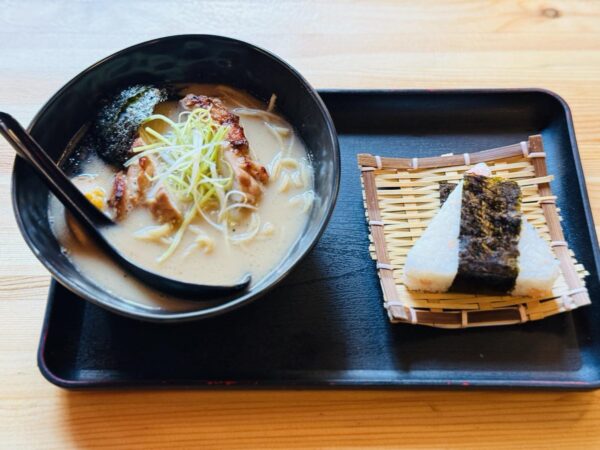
(432, 263)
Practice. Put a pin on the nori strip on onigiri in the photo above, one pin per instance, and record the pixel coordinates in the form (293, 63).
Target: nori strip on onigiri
(490, 227)
(446, 189)
(482, 237)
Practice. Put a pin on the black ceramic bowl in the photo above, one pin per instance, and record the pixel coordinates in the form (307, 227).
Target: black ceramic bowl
(177, 59)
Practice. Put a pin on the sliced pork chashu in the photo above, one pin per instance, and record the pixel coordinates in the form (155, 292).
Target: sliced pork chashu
(131, 188)
(249, 174)
(163, 208)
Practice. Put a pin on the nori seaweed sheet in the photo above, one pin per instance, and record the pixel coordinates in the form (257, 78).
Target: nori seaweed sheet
(446, 189)
(490, 227)
(115, 128)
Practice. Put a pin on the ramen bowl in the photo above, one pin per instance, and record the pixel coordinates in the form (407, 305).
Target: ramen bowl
(172, 60)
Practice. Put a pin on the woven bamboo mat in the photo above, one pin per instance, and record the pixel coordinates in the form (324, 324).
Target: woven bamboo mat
(402, 195)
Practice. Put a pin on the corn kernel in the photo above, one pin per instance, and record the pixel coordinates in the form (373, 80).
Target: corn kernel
(97, 197)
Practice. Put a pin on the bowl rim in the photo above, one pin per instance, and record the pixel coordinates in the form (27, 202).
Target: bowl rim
(149, 314)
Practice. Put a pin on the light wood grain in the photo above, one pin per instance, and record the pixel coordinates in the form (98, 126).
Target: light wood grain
(377, 44)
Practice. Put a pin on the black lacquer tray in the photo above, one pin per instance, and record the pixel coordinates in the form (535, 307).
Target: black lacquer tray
(325, 325)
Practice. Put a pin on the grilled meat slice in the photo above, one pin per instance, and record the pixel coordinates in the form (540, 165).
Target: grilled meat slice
(118, 198)
(249, 174)
(163, 208)
(139, 175)
(129, 187)
(244, 181)
(221, 115)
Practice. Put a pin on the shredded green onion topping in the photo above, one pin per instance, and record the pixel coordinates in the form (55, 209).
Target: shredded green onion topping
(191, 168)
(191, 150)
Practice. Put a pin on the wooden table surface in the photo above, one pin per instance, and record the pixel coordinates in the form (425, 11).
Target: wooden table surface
(377, 44)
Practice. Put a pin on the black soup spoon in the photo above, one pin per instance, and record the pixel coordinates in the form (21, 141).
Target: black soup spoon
(94, 220)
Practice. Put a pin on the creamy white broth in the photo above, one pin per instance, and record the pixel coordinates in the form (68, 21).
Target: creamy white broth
(283, 214)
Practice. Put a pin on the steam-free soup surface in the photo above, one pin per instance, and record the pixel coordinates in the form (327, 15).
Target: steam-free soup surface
(204, 253)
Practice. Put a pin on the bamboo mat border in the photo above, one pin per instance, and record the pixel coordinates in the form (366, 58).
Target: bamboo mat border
(398, 311)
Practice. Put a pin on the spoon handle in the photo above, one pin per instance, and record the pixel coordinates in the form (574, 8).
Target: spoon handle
(64, 189)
